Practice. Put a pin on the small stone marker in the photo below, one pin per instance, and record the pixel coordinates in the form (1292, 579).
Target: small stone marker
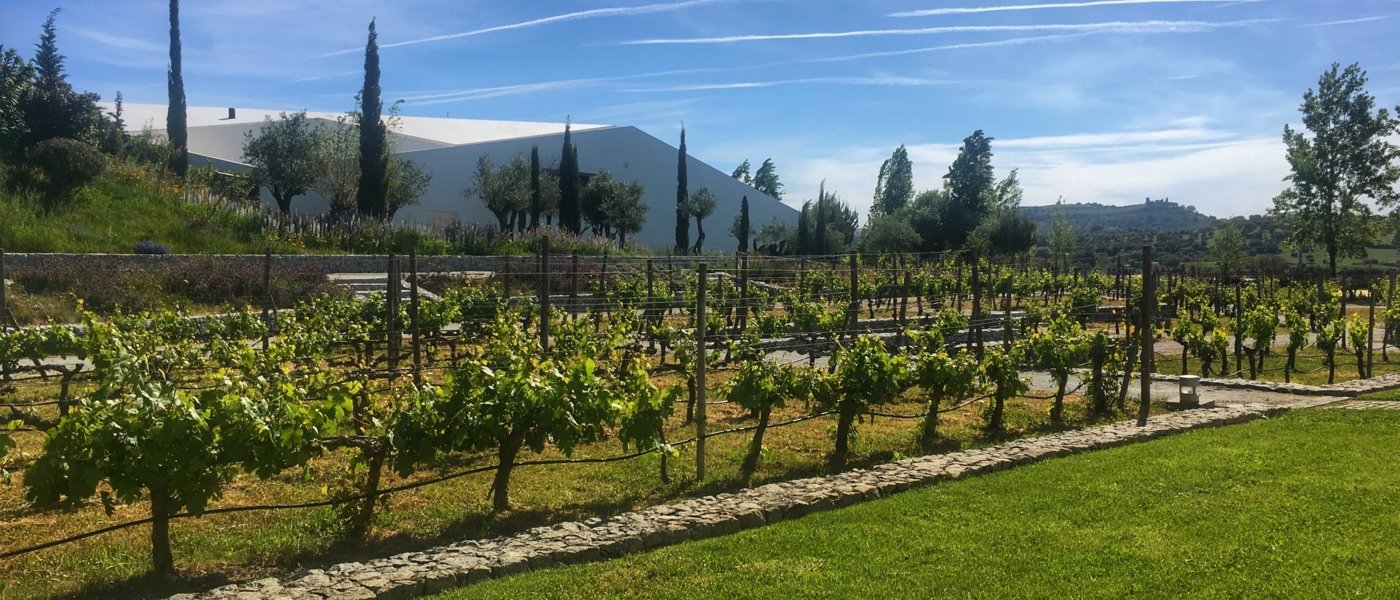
(1188, 394)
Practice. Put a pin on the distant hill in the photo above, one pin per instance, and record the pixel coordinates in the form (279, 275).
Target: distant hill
(1155, 215)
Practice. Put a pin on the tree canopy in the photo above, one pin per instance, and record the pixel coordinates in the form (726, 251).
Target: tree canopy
(613, 208)
(1343, 159)
(1011, 234)
(504, 190)
(894, 187)
(52, 108)
(285, 157)
(766, 179)
(175, 110)
(742, 173)
(1061, 239)
(570, 214)
(374, 152)
(968, 185)
(701, 205)
(682, 198)
(1227, 250)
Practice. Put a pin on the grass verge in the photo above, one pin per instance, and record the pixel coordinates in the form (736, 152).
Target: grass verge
(1297, 506)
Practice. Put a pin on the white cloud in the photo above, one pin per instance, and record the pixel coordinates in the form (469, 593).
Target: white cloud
(1116, 140)
(1345, 22)
(928, 12)
(119, 41)
(479, 93)
(619, 11)
(872, 81)
(1021, 41)
(1111, 26)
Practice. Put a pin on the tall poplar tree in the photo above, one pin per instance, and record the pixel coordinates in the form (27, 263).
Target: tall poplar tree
(175, 127)
(374, 158)
(895, 186)
(1345, 161)
(969, 183)
(536, 206)
(682, 201)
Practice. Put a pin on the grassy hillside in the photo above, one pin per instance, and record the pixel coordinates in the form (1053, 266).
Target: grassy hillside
(131, 203)
(125, 207)
(1090, 217)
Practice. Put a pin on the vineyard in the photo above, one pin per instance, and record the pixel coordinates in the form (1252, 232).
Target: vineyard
(295, 429)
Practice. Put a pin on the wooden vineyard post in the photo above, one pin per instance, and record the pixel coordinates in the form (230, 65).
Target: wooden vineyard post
(1149, 300)
(413, 315)
(544, 292)
(573, 287)
(904, 293)
(1006, 335)
(802, 279)
(977, 304)
(603, 279)
(506, 287)
(1239, 325)
(1118, 277)
(394, 291)
(904, 309)
(1385, 339)
(267, 296)
(957, 281)
(650, 307)
(702, 356)
(1371, 336)
(744, 291)
(1343, 315)
(853, 309)
(5, 316)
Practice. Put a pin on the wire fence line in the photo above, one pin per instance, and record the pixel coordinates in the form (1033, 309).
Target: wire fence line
(741, 293)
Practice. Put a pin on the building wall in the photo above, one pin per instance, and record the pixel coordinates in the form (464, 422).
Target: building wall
(630, 154)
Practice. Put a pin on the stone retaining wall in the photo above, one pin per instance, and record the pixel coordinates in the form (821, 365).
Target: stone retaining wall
(19, 264)
(430, 571)
(1355, 387)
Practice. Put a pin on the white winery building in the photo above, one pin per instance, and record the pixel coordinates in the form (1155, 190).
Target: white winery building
(449, 148)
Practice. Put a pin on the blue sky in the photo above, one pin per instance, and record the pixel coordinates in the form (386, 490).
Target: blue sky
(1093, 100)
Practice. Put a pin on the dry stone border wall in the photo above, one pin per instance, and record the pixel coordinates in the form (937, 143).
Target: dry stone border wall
(417, 573)
(1355, 387)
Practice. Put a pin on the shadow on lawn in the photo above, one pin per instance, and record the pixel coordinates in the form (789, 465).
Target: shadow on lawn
(469, 526)
(480, 525)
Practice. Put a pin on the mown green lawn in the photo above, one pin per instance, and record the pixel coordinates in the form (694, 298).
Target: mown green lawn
(1301, 506)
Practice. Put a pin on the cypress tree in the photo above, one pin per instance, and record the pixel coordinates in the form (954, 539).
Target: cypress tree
(570, 218)
(374, 160)
(48, 63)
(535, 208)
(682, 196)
(175, 111)
(51, 108)
(744, 224)
(819, 236)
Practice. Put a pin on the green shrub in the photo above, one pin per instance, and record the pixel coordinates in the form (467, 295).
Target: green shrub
(67, 165)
